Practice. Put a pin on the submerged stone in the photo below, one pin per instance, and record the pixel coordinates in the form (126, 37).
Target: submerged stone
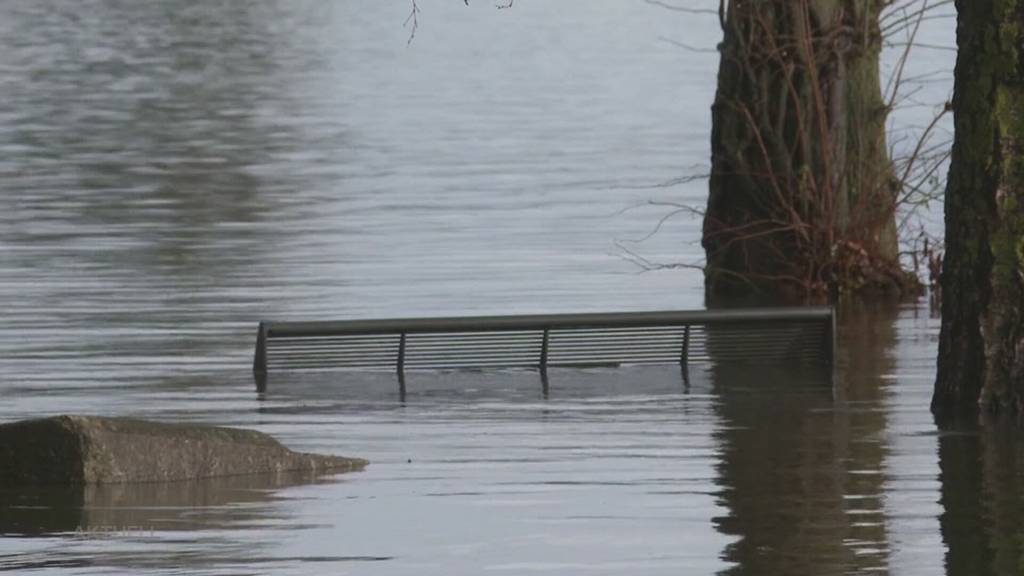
(99, 450)
(182, 505)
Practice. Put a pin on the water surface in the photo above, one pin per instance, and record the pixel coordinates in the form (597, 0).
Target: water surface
(170, 175)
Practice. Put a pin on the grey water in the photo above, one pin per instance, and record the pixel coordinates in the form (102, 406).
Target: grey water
(171, 173)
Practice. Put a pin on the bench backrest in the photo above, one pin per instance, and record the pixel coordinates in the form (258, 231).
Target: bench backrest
(556, 340)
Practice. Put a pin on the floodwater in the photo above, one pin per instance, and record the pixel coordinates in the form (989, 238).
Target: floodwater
(171, 173)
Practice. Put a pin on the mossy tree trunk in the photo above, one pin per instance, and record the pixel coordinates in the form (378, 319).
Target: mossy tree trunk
(981, 345)
(802, 190)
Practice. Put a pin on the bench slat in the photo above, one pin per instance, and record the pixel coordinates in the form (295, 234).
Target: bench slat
(555, 340)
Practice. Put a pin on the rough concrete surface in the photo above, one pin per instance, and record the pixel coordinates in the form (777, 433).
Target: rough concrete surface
(99, 450)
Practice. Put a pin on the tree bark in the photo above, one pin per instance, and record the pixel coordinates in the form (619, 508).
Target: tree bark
(981, 345)
(802, 190)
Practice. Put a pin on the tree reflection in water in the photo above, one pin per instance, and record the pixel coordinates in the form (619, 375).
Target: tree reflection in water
(982, 473)
(802, 462)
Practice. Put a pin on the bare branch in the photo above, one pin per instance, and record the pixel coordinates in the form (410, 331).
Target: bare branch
(661, 222)
(685, 46)
(676, 8)
(414, 18)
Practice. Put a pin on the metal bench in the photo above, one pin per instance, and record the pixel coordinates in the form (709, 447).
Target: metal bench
(805, 334)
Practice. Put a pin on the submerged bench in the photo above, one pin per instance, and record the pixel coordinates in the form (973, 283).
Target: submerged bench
(804, 334)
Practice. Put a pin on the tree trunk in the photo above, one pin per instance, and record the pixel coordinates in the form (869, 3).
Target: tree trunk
(802, 191)
(981, 346)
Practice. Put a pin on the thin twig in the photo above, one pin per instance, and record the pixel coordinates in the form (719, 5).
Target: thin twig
(685, 9)
(414, 17)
